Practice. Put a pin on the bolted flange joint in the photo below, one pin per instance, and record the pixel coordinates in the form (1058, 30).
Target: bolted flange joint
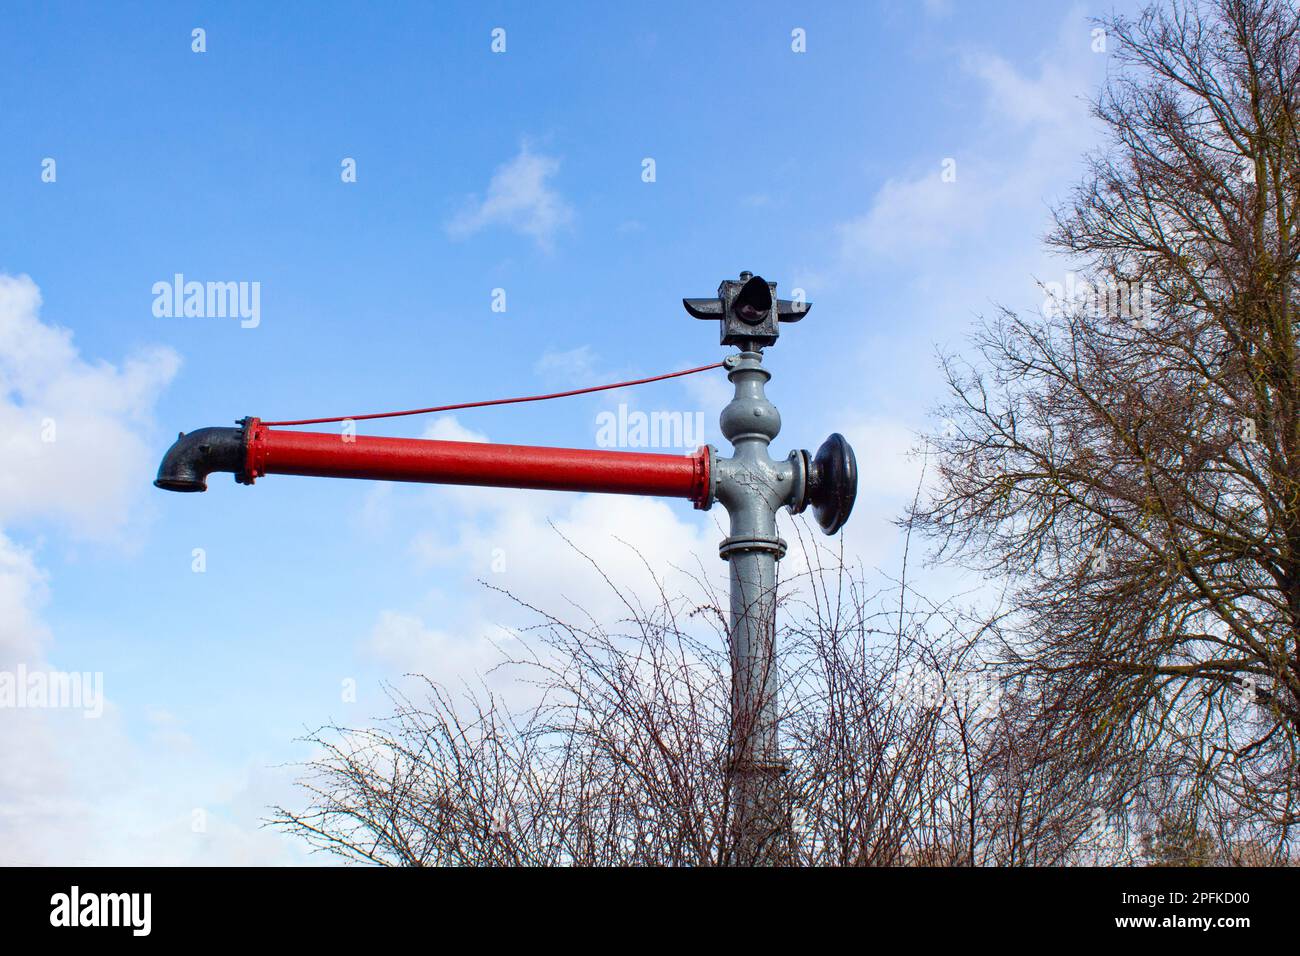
(754, 542)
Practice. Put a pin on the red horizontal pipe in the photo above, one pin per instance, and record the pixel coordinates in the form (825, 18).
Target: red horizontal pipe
(273, 452)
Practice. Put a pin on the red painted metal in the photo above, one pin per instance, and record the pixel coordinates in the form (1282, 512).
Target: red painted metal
(275, 452)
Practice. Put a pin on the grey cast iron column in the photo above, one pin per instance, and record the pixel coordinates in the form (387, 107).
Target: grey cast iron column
(753, 487)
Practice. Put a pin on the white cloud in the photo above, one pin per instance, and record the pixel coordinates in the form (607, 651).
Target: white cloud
(886, 447)
(949, 250)
(449, 658)
(1051, 98)
(22, 591)
(75, 790)
(1034, 126)
(574, 366)
(449, 428)
(70, 430)
(910, 213)
(521, 198)
(516, 541)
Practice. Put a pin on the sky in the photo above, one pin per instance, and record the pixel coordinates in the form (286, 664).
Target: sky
(386, 181)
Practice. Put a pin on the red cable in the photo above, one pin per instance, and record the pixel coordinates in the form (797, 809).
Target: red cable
(497, 401)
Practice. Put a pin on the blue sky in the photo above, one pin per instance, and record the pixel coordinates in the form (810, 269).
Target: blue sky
(476, 171)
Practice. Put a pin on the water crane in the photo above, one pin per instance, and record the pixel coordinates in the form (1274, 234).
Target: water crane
(751, 485)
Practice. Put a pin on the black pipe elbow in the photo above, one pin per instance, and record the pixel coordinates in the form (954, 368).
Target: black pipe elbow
(193, 457)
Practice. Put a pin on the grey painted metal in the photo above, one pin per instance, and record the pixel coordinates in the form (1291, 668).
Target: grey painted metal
(753, 487)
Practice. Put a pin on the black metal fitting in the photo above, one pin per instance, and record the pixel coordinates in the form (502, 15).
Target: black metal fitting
(749, 311)
(194, 456)
(831, 484)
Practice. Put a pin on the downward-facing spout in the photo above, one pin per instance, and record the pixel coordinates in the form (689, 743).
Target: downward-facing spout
(196, 455)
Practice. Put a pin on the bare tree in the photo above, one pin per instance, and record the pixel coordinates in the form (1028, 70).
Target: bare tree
(889, 720)
(1130, 459)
